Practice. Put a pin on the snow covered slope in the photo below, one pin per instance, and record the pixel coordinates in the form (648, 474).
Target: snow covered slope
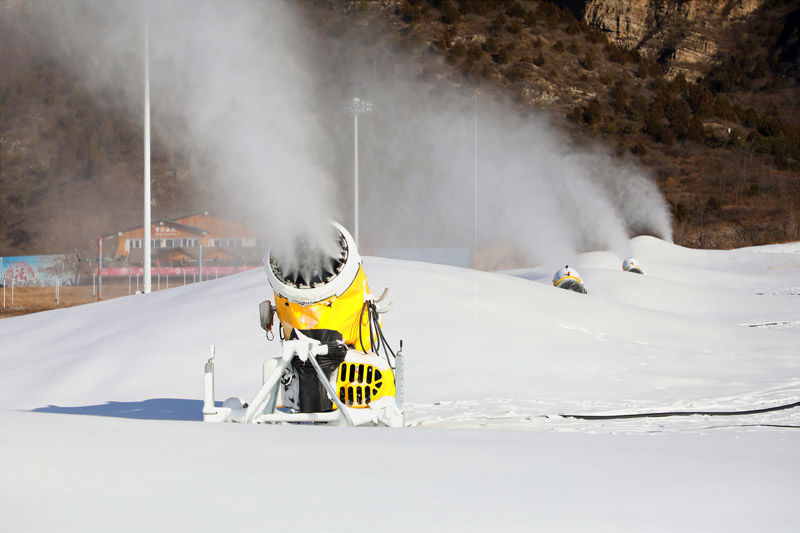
(702, 330)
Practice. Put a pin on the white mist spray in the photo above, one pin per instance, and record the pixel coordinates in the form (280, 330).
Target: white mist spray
(230, 91)
(539, 197)
(233, 88)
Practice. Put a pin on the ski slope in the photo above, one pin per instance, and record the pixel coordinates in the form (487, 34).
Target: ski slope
(493, 360)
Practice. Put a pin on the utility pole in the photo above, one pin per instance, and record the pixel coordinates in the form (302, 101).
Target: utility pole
(356, 107)
(146, 241)
(475, 236)
(99, 268)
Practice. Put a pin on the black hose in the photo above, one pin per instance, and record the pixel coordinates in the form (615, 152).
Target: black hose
(684, 413)
(360, 323)
(377, 340)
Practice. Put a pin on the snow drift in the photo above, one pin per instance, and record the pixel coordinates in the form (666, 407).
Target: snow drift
(703, 330)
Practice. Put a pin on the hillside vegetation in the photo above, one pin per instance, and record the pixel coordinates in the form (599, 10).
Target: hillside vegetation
(724, 149)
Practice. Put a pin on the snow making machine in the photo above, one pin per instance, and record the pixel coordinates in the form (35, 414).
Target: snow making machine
(631, 264)
(569, 279)
(336, 366)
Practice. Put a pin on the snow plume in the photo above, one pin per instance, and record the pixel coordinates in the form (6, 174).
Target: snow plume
(230, 92)
(425, 159)
(235, 89)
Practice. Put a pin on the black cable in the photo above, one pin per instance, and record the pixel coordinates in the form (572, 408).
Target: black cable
(684, 413)
(376, 320)
(360, 323)
(371, 318)
(382, 339)
(377, 340)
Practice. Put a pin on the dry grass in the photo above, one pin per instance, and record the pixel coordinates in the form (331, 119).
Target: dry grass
(35, 299)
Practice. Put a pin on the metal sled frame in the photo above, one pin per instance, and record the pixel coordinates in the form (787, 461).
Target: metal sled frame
(262, 410)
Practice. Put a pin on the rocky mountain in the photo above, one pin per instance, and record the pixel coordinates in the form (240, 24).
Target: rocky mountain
(686, 34)
(705, 95)
(723, 143)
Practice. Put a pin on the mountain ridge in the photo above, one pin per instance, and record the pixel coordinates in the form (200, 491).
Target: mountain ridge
(724, 150)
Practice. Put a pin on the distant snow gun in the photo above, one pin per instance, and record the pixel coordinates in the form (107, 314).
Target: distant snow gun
(632, 265)
(568, 278)
(336, 366)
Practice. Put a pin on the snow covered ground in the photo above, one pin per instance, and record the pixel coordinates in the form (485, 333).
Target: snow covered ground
(493, 360)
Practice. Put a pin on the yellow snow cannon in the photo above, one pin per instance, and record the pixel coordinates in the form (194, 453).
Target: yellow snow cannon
(322, 285)
(568, 278)
(631, 264)
(336, 365)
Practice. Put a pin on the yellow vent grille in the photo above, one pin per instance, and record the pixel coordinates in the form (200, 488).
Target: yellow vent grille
(357, 384)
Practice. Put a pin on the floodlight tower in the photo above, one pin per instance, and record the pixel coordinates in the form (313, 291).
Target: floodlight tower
(356, 107)
(146, 237)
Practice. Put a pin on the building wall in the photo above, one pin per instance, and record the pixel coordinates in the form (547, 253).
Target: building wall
(157, 233)
(216, 227)
(219, 233)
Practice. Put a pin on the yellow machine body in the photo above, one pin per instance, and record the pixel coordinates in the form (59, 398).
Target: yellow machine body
(561, 280)
(363, 378)
(342, 313)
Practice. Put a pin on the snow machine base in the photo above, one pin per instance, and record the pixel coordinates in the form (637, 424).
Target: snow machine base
(384, 410)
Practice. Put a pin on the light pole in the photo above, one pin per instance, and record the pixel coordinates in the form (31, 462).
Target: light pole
(475, 236)
(356, 107)
(146, 260)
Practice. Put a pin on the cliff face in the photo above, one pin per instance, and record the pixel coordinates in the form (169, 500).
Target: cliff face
(685, 33)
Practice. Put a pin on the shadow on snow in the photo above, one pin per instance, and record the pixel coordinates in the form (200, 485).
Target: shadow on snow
(153, 409)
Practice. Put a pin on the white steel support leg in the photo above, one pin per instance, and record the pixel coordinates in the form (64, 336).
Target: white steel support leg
(209, 407)
(268, 393)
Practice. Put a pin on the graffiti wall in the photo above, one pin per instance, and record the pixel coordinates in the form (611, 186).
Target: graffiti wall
(42, 270)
